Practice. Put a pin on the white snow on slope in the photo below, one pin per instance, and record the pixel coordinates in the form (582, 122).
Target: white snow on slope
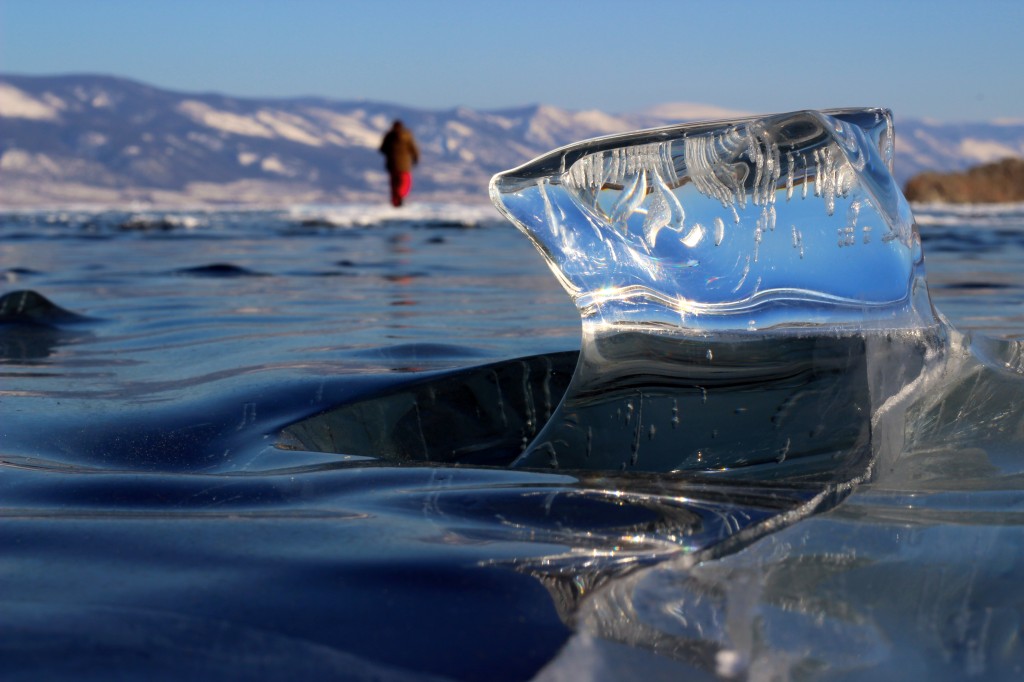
(600, 122)
(352, 127)
(456, 128)
(549, 126)
(289, 126)
(266, 123)
(907, 150)
(690, 111)
(272, 164)
(15, 103)
(223, 120)
(35, 164)
(929, 142)
(985, 151)
(102, 101)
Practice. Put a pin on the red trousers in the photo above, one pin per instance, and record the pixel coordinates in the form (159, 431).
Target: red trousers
(401, 183)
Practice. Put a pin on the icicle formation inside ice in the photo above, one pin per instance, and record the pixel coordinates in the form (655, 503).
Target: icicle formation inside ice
(783, 221)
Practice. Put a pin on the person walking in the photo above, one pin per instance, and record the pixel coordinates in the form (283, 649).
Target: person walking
(400, 154)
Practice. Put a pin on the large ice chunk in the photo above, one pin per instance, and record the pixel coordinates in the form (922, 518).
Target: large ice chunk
(752, 293)
(783, 221)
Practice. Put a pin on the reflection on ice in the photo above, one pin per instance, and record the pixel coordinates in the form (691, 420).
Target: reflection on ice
(763, 408)
(913, 575)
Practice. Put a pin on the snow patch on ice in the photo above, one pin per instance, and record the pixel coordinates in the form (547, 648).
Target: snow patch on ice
(365, 214)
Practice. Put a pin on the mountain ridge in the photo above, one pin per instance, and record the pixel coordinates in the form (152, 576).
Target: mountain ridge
(97, 139)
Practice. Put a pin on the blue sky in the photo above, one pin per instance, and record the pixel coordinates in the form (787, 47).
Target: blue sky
(944, 60)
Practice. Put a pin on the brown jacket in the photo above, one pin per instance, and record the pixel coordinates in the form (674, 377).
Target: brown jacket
(399, 149)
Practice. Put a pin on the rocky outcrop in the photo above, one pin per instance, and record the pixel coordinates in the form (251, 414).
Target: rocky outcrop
(999, 182)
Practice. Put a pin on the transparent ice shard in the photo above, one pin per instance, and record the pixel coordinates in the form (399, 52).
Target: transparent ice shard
(741, 285)
(791, 220)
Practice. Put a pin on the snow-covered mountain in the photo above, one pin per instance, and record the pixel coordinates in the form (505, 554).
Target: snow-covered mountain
(97, 139)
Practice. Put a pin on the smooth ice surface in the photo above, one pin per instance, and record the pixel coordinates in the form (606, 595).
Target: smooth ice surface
(784, 221)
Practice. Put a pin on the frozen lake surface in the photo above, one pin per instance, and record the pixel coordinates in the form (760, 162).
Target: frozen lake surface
(164, 511)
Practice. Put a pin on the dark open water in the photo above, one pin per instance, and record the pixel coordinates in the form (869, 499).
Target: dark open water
(177, 497)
